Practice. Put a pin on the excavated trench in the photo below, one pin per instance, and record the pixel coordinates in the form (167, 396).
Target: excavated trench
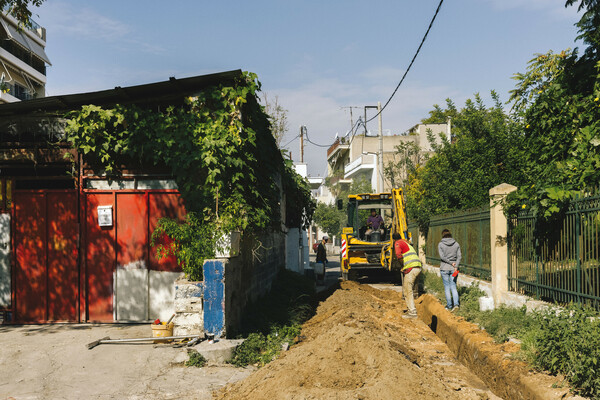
(359, 346)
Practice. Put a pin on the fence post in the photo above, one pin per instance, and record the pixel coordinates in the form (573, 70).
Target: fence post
(498, 241)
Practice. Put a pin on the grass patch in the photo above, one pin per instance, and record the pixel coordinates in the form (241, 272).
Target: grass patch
(196, 359)
(275, 319)
(559, 341)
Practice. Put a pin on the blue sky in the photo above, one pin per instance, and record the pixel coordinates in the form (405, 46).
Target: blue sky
(316, 56)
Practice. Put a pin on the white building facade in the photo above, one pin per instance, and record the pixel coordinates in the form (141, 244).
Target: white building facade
(23, 60)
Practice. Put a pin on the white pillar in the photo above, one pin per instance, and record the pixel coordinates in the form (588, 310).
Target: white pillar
(498, 241)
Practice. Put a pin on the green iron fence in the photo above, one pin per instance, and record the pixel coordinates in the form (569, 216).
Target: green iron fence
(471, 229)
(413, 230)
(561, 264)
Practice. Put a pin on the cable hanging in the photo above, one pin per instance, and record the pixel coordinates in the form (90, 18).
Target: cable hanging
(411, 62)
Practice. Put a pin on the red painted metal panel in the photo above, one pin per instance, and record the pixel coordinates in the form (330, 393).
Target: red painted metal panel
(132, 233)
(164, 205)
(30, 250)
(100, 258)
(63, 268)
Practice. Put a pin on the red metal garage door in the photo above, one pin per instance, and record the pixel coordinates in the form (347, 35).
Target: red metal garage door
(46, 255)
(126, 243)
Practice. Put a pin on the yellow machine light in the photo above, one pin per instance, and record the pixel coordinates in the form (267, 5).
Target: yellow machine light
(365, 197)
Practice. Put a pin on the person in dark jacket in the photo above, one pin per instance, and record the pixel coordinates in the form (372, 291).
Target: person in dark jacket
(321, 260)
(450, 255)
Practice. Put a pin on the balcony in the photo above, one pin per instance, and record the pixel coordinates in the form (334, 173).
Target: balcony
(16, 91)
(336, 148)
(33, 27)
(363, 163)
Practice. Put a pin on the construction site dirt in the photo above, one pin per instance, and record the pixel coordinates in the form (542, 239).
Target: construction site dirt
(357, 346)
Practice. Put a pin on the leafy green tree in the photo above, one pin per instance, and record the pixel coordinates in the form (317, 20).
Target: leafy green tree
(20, 9)
(557, 100)
(485, 151)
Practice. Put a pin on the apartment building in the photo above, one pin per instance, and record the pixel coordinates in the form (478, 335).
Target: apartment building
(357, 157)
(23, 60)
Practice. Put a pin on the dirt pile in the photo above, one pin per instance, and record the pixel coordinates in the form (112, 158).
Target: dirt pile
(358, 346)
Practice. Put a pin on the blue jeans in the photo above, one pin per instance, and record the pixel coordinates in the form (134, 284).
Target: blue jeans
(450, 288)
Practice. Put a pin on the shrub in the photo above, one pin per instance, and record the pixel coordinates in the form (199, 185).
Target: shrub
(568, 342)
(275, 319)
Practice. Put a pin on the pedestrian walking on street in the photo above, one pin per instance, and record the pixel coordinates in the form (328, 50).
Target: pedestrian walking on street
(321, 260)
(450, 255)
(411, 267)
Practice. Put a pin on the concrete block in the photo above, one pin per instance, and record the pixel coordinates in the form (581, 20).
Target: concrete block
(189, 305)
(220, 351)
(188, 324)
(486, 304)
(185, 289)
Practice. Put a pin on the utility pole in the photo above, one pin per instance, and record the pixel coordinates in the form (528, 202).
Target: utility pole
(380, 180)
(302, 130)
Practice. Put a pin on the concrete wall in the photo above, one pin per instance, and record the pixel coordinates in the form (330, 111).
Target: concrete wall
(251, 274)
(296, 250)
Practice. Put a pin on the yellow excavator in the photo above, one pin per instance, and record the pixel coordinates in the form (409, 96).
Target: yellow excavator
(367, 249)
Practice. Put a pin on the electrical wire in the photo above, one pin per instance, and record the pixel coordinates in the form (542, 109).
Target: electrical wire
(411, 62)
(290, 142)
(313, 143)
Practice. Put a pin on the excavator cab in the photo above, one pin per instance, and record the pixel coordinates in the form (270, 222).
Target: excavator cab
(364, 248)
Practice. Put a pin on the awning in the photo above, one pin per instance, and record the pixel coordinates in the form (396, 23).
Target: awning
(25, 42)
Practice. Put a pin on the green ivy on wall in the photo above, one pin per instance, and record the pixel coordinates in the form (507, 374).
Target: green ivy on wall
(218, 147)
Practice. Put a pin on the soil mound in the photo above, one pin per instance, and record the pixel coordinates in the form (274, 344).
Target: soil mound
(358, 346)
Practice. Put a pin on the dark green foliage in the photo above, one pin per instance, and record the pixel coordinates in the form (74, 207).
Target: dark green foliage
(275, 319)
(568, 343)
(192, 241)
(332, 220)
(196, 359)
(485, 151)
(558, 102)
(20, 9)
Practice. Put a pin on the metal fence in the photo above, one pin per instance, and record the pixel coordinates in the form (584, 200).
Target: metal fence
(560, 264)
(471, 229)
(413, 230)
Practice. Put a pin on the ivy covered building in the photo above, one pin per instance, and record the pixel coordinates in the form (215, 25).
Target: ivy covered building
(81, 195)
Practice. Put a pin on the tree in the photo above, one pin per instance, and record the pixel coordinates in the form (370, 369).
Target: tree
(484, 153)
(20, 9)
(277, 116)
(406, 160)
(332, 220)
(558, 101)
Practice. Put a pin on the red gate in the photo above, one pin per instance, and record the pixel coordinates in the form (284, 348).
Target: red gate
(45, 241)
(126, 242)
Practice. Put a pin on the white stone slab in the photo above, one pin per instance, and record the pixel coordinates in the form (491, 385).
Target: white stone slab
(131, 292)
(162, 294)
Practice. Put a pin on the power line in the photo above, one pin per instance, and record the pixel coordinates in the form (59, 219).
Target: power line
(313, 143)
(411, 62)
(288, 143)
